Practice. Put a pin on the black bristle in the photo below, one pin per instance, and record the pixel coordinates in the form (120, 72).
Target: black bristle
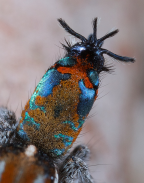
(95, 29)
(71, 31)
(111, 34)
(118, 57)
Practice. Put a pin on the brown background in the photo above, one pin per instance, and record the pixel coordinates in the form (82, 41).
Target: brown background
(29, 44)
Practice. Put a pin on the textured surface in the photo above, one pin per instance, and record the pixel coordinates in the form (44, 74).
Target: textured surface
(54, 115)
(74, 167)
(8, 125)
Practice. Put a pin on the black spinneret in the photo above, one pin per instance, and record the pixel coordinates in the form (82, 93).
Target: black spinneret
(91, 47)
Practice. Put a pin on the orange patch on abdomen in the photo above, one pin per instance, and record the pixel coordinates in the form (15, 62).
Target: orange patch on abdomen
(77, 74)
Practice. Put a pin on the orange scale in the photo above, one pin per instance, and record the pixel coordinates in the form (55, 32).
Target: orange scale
(78, 74)
(27, 105)
(23, 114)
(40, 100)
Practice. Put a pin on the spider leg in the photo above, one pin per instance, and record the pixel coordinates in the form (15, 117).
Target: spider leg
(74, 167)
(8, 126)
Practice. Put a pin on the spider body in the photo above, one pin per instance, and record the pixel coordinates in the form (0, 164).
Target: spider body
(53, 117)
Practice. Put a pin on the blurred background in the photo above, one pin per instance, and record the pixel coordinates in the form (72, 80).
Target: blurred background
(30, 39)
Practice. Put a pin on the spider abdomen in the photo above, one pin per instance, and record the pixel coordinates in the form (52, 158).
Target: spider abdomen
(55, 113)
